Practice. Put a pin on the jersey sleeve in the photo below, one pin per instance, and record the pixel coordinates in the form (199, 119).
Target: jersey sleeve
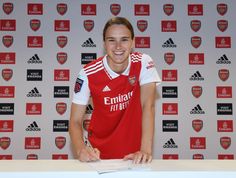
(148, 72)
(81, 92)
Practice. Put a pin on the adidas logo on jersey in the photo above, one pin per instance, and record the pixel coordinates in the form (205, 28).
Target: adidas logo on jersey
(170, 144)
(197, 110)
(196, 76)
(169, 44)
(106, 88)
(34, 93)
(34, 60)
(33, 127)
(88, 43)
(223, 60)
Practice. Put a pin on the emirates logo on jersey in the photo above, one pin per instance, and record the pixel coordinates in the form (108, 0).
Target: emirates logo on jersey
(7, 40)
(61, 8)
(7, 7)
(115, 9)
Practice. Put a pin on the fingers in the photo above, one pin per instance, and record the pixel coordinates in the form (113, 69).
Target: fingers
(139, 157)
(129, 157)
(88, 154)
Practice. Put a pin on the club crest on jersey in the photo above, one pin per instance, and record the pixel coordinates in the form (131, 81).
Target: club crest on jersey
(86, 123)
(62, 41)
(169, 58)
(60, 142)
(195, 25)
(61, 108)
(196, 41)
(7, 74)
(168, 9)
(223, 74)
(222, 25)
(225, 142)
(142, 25)
(222, 8)
(88, 25)
(35, 24)
(7, 40)
(61, 57)
(7, 7)
(61, 8)
(5, 142)
(78, 85)
(196, 91)
(115, 9)
(197, 125)
(132, 80)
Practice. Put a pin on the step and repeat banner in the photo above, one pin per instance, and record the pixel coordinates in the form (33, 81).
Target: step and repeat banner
(45, 43)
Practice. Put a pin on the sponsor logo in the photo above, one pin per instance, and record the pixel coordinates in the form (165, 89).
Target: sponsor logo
(224, 91)
(60, 125)
(61, 57)
(195, 9)
(7, 58)
(197, 110)
(7, 25)
(141, 10)
(35, 9)
(35, 41)
(169, 75)
(62, 41)
(60, 142)
(88, 57)
(61, 75)
(196, 58)
(7, 7)
(106, 88)
(86, 123)
(34, 60)
(88, 9)
(197, 143)
(223, 60)
(224, 109)
(168, 9)
(61, 8)
(32, 143)
(142, 25)
(33, 127)
(169, 92)
(5, 142)
(196, 76)
(61, 92)
(222, 25)
(115, 9)
(198, 156)
(35, 24)
(62, 25)
(196, 41)
(7, 74)
(6, 108)
(197, 125)
(33, 108)
(223, 74)
(221, 8)
(7, 91)
(168, 26)
(170, 144)
(89, 109)
(88, 25)
(59, 156)
(32, 157)
(226, 156)
(196, 91)
(61, 108)
(223, 42)
(195, 25)
(169, 108)
(5, 157)
(78, 85)
(225, 142)
(6, 125)
(170, 156)
(34, 74)
(169, 58)
(142, 42)
(7, 40)
(34, 93)
(88, 43)
(225, 125)
(170, 125)
(132, 80)
(169, 44)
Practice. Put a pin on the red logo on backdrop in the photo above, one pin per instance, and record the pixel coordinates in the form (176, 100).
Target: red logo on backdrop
(61, 57)
(7, 7)
(196, 91)
(142, 25)
(222, 25)
(198, 156)
(7, 58)
(7, 40)
(7, 74)
(223, 42)
(88, 9)
(223, 74)
(6, 125)
(62, 25)
(142, 42)
(61, 108)
(88, 25)
(33, 108)
(168, 26)
(225, 142)
(61, 75)
(141, 9)
(196, 58)
(61, 8)
(35, 9)
(59, 156)
(224, 91)
(86, 123)
(225, 125)
(7, 91)
(197, 125)
(61, 41)
(35, 24)
(226, 156)
(5, 157)
(32, 142)
(169, 108)
(221, 8)
(32, 157)
(195, 25)
(197, 143)
(7, 25)
(168, 9)
(170, 156)
(196, 41)
(5, 142)
(35, 41)
(60, 142)
(169, 75)
(115, 9)
(169, 58)
(195, 9)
